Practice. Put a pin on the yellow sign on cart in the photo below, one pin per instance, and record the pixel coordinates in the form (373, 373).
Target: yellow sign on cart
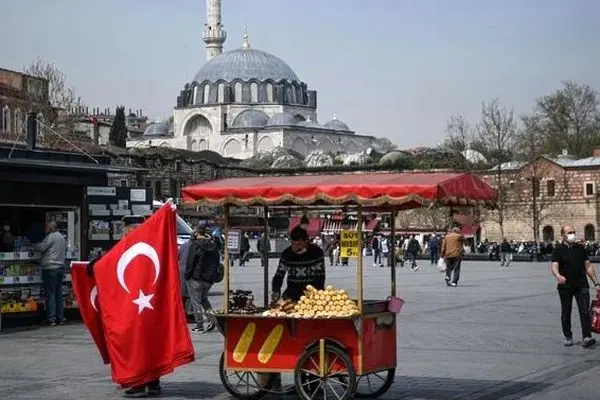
(349, 243)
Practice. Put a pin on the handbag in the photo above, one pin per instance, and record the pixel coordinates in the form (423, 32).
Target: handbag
(441, 265)
(595, 315)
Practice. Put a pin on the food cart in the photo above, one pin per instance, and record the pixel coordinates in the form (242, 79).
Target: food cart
(333, 354)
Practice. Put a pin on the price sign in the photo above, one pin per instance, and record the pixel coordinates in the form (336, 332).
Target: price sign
(349, 244)
(234, 241)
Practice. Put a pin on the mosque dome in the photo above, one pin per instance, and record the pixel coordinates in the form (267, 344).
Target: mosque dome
(310, 124)
(158, 128)
(336, 125)
(282, 119)
(250, 119)
(246, 64)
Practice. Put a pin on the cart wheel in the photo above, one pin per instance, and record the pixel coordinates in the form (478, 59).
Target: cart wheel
(374, 385)
(245, 385)
(338, 382)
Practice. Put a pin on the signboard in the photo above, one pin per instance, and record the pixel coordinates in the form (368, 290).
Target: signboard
(349, 243)
(234, 241)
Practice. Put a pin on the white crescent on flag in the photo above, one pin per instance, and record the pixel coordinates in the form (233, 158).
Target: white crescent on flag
(138, 249)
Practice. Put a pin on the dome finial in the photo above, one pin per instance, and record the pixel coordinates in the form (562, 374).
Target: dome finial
(246, 42)
(334, 116)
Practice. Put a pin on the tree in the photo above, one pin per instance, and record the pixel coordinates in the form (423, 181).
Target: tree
(458, 140)
(383, 145)
(497, 132)
(570, 119)
(117, 135)
(63, 101)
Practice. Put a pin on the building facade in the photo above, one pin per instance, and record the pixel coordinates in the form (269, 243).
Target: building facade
(539, 197)
(247, 101)
(20, 94)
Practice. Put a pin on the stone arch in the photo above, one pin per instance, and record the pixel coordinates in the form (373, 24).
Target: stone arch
(299, 118)
(232, 148)
(351, 147)
(165, 144)
(193, 146)
(221, 93)
(327, 146)
(269, 88)
(299, 145)
(206, 93)
(197, 125)
(237, 92)
(203, 145)
(548, 233)
(589, 232)
(253, 92)
(265, 143)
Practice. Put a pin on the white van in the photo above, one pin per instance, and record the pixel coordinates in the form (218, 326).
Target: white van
(184, 231)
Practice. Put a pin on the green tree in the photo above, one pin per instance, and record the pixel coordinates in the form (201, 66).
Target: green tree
(118, 131)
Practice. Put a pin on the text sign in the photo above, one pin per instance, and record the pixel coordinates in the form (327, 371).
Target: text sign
(349, 243)
(234, 241)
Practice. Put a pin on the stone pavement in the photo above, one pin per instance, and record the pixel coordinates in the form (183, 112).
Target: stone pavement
(496, 336)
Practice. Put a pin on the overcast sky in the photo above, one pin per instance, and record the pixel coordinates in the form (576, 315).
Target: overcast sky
(393, 68)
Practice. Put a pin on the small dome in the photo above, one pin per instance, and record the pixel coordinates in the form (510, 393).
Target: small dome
(282, 119)
(250, 119)
(393, 158)
(357, 159)
(310, 124)
(246, 64)
(158, 128)
(336, 125)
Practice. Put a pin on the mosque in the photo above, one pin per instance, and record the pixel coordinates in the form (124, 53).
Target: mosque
(244, 102)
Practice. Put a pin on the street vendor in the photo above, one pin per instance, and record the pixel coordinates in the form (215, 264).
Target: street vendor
(304, 264)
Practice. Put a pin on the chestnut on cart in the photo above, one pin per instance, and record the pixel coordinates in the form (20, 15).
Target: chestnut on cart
(350, 351)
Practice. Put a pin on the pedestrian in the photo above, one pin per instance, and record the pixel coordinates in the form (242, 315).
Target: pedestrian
(505, 253)
(263, 246)
(328, 249)
(52, 263)
(376, 246)
(434, 249)
(452, 252)
(385, 251)
(413, 248)
(244, 249)
(571, 267)
(201, 271)
(184, 251)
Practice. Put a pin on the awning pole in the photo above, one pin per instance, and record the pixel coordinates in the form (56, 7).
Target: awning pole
(226, 261)
(265, 256)
(393, 215)
(359, 268)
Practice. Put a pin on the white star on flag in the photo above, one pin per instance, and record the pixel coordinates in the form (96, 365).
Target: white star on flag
(143, 301)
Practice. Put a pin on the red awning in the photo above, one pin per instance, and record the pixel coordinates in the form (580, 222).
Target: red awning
(401, 190)
(371, 225)
(314, 225)
(469, 230)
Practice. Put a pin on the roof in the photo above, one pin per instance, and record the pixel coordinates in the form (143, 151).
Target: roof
(250, 119)
(564, 162)
(65, 165)
(399, 190)
(336, 125)
(246, 64)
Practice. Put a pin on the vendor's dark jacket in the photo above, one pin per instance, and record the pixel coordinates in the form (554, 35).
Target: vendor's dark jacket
(303, 269)
(203, 260)
(506, 247)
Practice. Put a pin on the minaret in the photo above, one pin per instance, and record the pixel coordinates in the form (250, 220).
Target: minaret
(214, 34)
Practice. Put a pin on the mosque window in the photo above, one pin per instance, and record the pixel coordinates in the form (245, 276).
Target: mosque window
(195, 99)
(254, 92)
(221, 93)
(237, 92)
(270, 92)
(206, 94)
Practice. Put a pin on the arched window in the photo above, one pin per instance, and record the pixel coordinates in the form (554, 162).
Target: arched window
(548, 233)
(237, 92)
(6, 119)
(254, 92)
(206, 94)
(221, 93)
(195, 99)
(589, 232)
(270, 92)
(18, 121)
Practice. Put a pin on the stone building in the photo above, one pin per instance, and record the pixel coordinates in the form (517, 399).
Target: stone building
(96, 123)
(19, 94)
(540, 196)
(246, 101)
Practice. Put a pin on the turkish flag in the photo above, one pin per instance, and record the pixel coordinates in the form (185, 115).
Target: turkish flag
(86, 293)
(139, 295)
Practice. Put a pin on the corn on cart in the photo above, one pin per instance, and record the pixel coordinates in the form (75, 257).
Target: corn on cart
(328, 356)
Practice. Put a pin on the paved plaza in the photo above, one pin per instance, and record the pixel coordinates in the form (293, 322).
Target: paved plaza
(495, 336)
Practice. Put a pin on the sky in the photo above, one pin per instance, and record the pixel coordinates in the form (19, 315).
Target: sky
(388, 68)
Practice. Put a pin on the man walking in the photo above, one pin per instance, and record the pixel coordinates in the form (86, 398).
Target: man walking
(263, 245)
(412, 250)
(452, 251)
(434, 249)
(505, 253)
(571, 267)
(54, 252)
(376, 246)
(201, 270)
